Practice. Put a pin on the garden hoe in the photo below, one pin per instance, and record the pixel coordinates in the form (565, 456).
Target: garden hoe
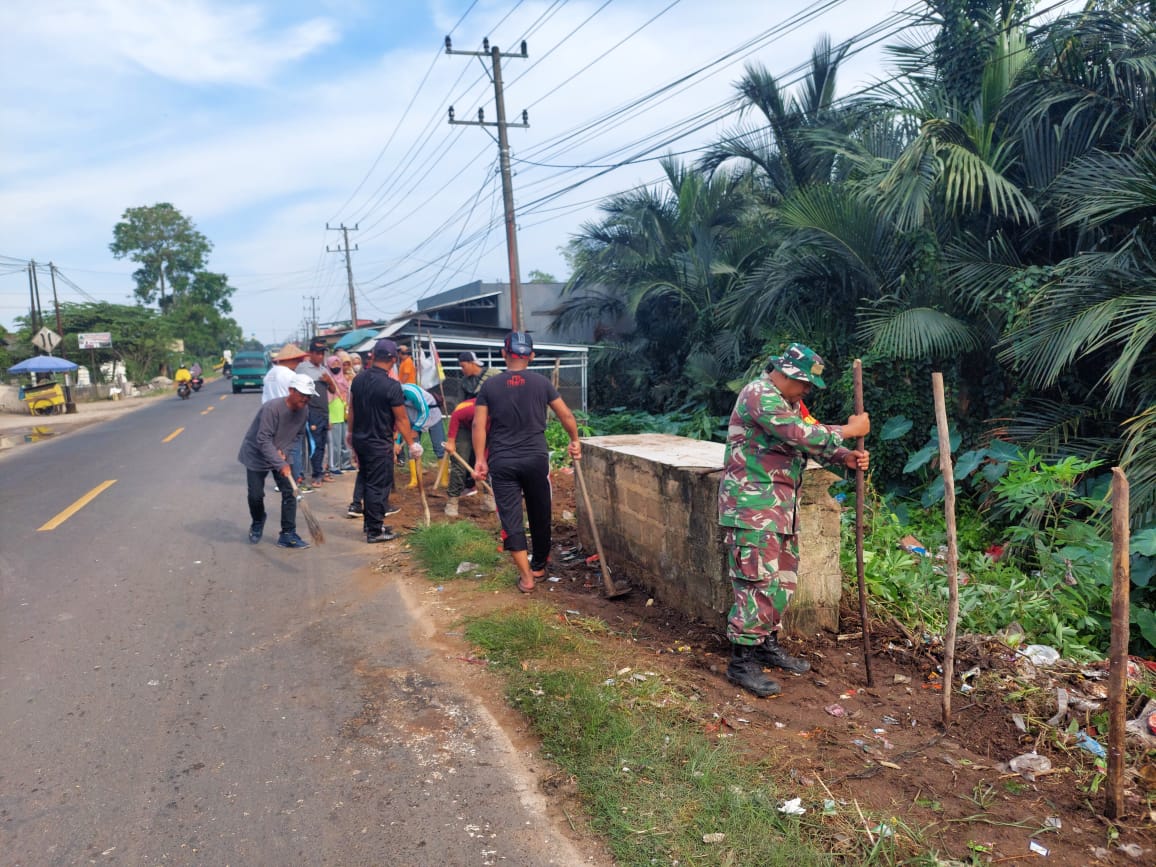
(614, 589)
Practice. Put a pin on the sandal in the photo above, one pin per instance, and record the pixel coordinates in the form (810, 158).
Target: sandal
(524, 588)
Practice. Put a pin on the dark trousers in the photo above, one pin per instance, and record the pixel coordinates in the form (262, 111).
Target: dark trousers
(318, 434)
(358, 490)
(460, 480)
(255, 479)
(377, 474)
(528, 477)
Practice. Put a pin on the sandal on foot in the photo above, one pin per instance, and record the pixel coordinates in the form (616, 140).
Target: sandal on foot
(524, 588)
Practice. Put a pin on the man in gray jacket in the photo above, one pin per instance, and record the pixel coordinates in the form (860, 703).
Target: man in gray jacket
(275, 427)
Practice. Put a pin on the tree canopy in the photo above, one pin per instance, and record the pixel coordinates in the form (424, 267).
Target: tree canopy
(166, 245)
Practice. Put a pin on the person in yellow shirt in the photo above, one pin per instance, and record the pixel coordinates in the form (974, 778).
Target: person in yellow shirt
(182, 374)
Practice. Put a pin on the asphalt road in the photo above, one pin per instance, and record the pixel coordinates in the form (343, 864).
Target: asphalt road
(171, 694)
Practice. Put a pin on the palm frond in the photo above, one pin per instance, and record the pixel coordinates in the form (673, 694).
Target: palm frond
(915, 332)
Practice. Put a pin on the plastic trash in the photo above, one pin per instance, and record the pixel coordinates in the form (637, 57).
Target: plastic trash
(1086, 742)
(1041, 654)
(835, 710)
(793, 807)
(713, 838)
(1030, 764)
(465, 567)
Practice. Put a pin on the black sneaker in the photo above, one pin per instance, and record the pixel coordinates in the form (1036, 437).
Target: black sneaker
(392, 510)
(354, 511)
(255, 532)
(386, 535)
(291, 540)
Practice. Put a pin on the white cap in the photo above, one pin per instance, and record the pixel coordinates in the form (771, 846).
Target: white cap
(302, 383)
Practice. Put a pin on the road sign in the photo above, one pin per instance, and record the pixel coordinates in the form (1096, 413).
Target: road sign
(94, 340)
(46, 339)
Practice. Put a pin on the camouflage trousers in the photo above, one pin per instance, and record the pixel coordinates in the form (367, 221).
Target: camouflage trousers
(763, 567)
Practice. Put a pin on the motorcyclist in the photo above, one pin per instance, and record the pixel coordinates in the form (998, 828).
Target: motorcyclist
(182, 375)
(195, 370)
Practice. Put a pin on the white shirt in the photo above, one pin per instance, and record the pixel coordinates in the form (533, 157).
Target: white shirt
(276, 383)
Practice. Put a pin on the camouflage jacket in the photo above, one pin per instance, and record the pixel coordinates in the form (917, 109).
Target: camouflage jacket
(768, 444)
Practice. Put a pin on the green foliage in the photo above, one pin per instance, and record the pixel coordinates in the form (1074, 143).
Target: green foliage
(699, 424)
(166, 245)
(440, 548)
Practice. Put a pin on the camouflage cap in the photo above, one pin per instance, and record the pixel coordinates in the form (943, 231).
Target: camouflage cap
(802, 363)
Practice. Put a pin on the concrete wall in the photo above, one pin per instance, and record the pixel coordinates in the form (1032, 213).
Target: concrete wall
(655, 498)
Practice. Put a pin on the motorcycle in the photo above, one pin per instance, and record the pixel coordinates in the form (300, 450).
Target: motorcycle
(197, 382)
(227, 370)
(183, 390)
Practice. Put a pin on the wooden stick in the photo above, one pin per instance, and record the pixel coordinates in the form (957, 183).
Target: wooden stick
(421, 489)
(860, 492)
(1118, 654)
(485, 485)
(946, 467)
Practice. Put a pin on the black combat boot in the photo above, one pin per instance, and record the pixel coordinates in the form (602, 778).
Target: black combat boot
(747, 672)
(770, 652)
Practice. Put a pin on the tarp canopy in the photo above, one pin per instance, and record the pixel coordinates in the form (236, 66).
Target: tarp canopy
(356, 336)
(43, 364)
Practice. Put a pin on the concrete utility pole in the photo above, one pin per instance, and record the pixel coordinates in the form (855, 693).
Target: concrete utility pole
(56, 305)
(312, 320)
(32, 320)
(348, 269)
(504, 161)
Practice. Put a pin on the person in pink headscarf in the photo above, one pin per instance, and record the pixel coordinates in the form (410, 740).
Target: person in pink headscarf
(339, 456)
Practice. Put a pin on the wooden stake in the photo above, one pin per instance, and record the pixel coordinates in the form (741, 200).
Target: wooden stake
(860, 493)
(1118, 655)
(947, 468)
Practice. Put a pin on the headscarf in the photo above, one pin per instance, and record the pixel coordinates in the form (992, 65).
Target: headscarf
(339, 379)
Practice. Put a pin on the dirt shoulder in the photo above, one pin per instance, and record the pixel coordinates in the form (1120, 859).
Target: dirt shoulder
(878, 750)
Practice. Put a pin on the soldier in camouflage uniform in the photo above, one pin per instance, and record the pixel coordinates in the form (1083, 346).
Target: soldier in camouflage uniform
(768, 445)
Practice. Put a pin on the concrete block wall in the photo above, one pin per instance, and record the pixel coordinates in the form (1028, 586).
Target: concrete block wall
(655, 498)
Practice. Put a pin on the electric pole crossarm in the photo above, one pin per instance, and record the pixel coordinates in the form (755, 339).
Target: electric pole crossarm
(348, 268)
(496, 56)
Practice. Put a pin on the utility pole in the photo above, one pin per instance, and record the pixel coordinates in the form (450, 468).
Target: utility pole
(56, 306)
(348, 269)
(32, 321)
(312, 299)
(504, 161)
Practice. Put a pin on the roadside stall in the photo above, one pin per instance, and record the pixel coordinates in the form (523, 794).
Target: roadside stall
(45, 398)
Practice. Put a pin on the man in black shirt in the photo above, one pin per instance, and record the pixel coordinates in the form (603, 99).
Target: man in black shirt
(376, 411)
(511, 417)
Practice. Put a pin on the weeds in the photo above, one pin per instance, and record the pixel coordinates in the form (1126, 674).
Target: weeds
(442, 548)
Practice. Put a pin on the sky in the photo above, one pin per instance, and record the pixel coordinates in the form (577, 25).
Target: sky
(266, 122)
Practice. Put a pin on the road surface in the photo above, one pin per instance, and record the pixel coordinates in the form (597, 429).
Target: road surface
(171, 694)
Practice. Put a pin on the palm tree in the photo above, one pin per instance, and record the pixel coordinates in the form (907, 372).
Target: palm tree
(667, 257)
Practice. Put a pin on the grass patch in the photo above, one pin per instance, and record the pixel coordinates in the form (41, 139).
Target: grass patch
(440, 548)
(652, 777)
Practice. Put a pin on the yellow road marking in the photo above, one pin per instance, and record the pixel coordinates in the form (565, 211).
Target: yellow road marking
(77, 506)
(173, 435)
(223, 396)
(208, 410)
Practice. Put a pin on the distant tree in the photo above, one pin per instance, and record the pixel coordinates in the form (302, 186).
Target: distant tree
(537, 276)
(166, 245)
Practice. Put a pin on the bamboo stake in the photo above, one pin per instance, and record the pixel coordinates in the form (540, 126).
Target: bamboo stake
(1118, 654)
(947, 468)
(860, 492)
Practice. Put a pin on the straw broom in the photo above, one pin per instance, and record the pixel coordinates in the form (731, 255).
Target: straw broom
(315, 531)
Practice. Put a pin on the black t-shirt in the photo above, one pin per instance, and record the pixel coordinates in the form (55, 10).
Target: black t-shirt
(373, 395)
(517, 401)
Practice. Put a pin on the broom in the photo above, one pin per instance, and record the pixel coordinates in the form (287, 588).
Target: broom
(315, 531)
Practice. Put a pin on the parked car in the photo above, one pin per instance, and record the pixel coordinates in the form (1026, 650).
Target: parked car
(249, 369)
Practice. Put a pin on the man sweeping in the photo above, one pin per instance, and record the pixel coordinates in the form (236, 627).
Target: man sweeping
(768, 445)
(265, 449)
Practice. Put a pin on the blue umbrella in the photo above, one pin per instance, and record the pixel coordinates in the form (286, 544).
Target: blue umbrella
(43, 364)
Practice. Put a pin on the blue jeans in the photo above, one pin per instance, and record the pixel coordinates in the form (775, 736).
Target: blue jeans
(437, 436)
(318, 434)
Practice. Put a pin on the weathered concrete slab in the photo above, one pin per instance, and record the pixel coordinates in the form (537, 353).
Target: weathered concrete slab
(654, 497)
